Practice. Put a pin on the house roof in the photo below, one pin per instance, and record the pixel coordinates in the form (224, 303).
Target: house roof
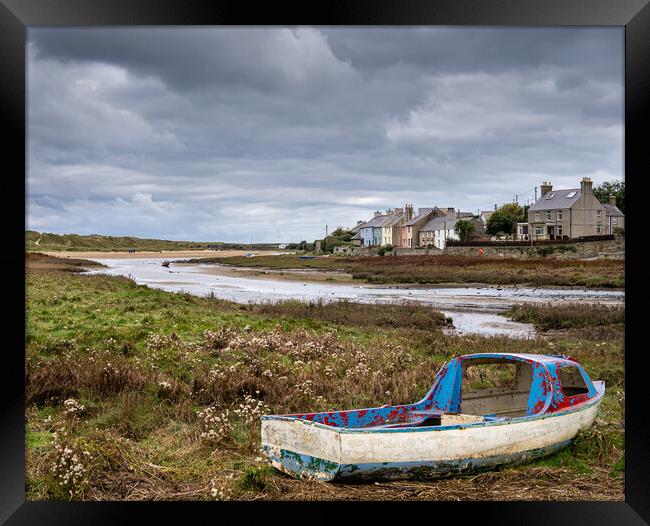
(557, 199)
(391, 220)
(357, 235)
(613, 210)
(465, 214)
(418, 218)
(374, 222)
(358, 227)
(438, 223)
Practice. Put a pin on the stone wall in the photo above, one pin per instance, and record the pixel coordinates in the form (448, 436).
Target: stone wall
(614, 248)
(398, 251)
(346, 250)
(433, 251)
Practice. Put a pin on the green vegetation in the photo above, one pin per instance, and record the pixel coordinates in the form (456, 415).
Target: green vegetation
(339, 237)
(404, 315)
(138, 394)
(568, 316)
(541, 272)
(544, 251)
(616, 188)
(464, 228)
(37, 241)
(504, 220)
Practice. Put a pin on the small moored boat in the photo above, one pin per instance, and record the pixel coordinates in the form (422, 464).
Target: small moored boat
(483, 410)
(165, 263)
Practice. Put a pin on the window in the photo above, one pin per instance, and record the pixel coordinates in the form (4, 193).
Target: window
(571, 194)
(536, 216)
(548, 215)
(523, 230)
(495, 387)
(571, 381)
(559, 230)
(549, 195)
(599, 215)
(559, 215)
(599, 229)
(538, 230)
(614, 220)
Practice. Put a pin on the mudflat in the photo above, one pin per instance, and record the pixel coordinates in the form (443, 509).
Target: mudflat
(283, 274)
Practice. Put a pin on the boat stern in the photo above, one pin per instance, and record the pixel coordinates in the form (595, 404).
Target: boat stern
(301, 448)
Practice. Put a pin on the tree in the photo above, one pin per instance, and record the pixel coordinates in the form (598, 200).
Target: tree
(341, 234)
(616, 188)
(464, 228)
(505, 219)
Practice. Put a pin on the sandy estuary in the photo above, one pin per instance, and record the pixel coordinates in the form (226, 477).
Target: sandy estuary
(473, 309)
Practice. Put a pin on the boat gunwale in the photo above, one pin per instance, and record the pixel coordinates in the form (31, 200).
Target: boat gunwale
(598, 384)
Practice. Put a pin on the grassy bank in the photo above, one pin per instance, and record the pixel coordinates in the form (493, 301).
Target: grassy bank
(43, 241)
(134, 393)
(452, 269)
(38, 261)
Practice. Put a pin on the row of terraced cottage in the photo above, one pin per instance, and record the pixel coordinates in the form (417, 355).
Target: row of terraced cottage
(402, 227)
(557, 214)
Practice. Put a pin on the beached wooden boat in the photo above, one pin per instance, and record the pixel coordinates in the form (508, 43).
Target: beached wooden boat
(454, 429)
(165, 263)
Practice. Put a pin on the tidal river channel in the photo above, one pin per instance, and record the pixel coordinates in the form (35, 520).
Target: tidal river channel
(472, 309)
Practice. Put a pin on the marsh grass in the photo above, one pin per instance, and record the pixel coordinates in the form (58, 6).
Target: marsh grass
(568, 315)
(603, 273)
(402, 315)
(140, 419)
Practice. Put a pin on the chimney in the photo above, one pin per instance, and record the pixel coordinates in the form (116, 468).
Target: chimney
(545, 188)
(612, 200)
(585, 186)
(408, 210)
(359, 222)
(377, 213)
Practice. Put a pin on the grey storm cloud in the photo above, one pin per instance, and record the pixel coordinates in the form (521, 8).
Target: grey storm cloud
(239, 133)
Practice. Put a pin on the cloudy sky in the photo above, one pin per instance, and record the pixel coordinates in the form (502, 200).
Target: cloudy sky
(269, 134)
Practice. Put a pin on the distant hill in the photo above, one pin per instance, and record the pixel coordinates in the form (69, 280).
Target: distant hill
(42, 241)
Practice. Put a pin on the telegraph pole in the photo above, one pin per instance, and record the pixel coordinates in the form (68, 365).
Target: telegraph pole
(325, 240)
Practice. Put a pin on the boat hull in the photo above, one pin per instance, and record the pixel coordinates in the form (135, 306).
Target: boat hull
(309, 450)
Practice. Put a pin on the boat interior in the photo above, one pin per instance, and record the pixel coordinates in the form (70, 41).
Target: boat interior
(478, 389)
(498, 388)
(491, 390)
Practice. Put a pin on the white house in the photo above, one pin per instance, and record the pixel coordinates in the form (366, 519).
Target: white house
(436, 232)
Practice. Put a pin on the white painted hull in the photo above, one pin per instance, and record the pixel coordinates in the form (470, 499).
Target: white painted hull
(317, 451)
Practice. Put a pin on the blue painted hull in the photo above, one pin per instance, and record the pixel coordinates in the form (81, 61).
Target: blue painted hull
(298, 465)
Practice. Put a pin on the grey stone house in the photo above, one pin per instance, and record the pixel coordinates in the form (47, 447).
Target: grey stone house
(569, 213)
(615, 218)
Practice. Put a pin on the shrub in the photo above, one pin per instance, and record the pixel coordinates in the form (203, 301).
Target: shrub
(50, 382)
(255, 478)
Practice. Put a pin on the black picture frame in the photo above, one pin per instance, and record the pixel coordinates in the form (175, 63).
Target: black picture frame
(17, 15)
